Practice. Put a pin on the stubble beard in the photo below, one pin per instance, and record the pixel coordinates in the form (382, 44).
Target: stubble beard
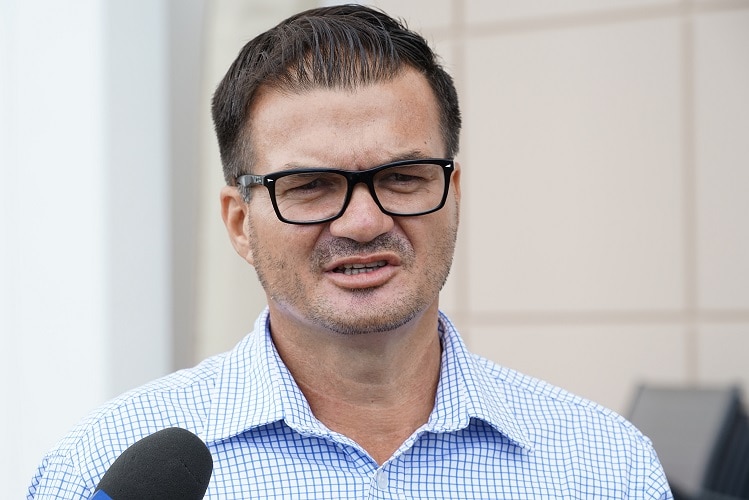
(357, 317)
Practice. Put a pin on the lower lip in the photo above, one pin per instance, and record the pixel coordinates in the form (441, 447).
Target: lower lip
(378, 277)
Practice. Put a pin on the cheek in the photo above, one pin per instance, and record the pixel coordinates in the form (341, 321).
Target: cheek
(285, 245)
(435, 241)
(422, 232)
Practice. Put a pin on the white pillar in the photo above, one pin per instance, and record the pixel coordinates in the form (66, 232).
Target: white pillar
(84, 204)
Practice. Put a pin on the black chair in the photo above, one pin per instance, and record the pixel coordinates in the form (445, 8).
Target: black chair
(701, 436)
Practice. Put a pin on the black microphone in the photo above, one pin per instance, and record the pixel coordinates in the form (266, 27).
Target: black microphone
(170, 464)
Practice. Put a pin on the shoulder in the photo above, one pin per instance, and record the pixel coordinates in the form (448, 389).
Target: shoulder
(180, 399)
(77, 462)
(551, 413)
(597, 447)
(537, 410)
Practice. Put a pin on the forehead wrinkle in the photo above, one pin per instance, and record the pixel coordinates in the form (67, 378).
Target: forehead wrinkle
(362, 162)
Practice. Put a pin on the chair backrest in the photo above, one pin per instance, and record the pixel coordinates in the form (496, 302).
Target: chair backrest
(701, 436)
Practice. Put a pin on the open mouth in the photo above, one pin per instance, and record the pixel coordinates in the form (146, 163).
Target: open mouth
(353, 269)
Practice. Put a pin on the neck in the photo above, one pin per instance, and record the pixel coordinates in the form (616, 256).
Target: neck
(376, 389)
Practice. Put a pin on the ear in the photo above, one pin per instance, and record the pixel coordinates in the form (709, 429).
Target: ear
(234, 214)
(455, 181)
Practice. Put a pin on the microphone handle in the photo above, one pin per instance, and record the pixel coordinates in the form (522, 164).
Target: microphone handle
(100, 495)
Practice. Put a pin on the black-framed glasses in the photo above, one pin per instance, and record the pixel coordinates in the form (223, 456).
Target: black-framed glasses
(316, 195)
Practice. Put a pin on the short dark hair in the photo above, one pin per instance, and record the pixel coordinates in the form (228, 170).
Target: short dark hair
(330, 47)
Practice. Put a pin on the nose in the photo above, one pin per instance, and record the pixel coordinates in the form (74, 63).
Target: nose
(363, 220)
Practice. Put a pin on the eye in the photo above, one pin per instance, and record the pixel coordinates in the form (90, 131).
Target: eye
(313, 184)
(403, 177)
(408, 178)
(309, 184)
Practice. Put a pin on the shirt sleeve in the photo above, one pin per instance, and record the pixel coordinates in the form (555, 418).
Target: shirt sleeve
(656, 484)
(57, 478)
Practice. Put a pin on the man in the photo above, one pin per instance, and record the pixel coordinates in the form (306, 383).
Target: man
(338, 131)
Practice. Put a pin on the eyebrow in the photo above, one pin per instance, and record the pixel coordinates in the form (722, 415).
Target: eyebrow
(414, 154)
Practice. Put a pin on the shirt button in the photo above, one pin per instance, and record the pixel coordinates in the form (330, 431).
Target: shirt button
(381, 477)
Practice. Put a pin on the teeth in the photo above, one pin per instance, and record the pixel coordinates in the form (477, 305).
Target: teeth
(353, 269)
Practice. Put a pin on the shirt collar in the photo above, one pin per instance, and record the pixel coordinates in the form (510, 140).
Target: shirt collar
(255, 388)
(469, 390)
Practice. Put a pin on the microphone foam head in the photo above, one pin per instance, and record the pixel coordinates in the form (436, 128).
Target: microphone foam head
(170, 464)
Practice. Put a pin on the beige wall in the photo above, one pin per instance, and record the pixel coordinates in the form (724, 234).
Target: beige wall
(605, 223)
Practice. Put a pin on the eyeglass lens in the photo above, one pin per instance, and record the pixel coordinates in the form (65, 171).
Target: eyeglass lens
(401, 190)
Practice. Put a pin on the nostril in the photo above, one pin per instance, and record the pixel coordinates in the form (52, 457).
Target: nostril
(362, 220)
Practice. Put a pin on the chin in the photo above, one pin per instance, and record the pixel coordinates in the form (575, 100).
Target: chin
(373, 320)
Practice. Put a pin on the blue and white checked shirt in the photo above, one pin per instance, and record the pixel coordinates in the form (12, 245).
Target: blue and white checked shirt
(493, 433)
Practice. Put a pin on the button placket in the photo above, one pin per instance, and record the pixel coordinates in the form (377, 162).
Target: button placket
(381, 479)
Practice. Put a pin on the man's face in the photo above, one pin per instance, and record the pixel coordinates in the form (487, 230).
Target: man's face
(302, 268)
